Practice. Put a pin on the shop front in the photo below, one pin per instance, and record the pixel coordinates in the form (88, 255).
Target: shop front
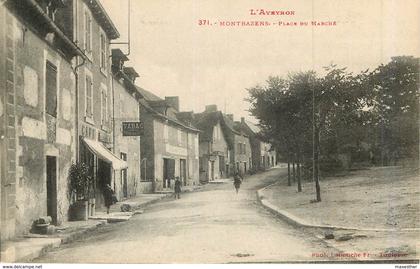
(104, 164)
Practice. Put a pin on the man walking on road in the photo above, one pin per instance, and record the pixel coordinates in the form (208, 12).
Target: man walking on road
(177, 188)
(237, 180)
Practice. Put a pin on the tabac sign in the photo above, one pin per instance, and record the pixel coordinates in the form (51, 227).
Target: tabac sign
(132, 128)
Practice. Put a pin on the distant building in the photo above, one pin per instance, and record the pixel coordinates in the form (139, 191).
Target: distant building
(37, 107)
(127, 182)
(169, 146)
(263, 154)
(240, 157)
(214, 148)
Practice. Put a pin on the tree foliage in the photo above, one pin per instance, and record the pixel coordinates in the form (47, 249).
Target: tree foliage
(316, 120)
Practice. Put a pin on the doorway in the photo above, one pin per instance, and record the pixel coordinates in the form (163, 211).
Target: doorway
(102, 179)
(221, 166)
(168, 172)
(52, 188)
(183, 171)
(124, 182)
(211, 170)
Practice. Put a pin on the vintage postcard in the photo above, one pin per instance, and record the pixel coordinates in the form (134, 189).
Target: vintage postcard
(209, 132)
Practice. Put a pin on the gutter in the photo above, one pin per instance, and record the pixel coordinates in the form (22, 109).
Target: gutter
(76, 76)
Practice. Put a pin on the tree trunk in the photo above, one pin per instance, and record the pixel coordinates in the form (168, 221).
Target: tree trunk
(316, 165)
(298, 174)
(289, 183)
(294, 171)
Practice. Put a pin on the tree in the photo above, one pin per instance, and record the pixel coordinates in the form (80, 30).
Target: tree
(346, 110)
(288, 108)
(395, 108)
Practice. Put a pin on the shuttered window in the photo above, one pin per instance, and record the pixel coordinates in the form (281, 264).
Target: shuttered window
(51, 89)
(103, 51)
(88, 32)
(89, 108)
(104, 107)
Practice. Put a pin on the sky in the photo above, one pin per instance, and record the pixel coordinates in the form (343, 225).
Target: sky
(214, 64)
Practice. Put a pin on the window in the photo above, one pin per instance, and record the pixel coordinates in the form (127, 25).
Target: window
(89, 97)
(103, 51)
(88, 32)
(122, 110)
(179, 137)
(165, 133)
(104, 107)
(51, 89)
(216, 133)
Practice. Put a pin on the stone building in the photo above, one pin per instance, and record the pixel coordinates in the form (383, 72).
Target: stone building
(169, 146)
(240, 157)
(37, 107)
(263, 154)
(93, 32)
(214, 148)
(126, 145)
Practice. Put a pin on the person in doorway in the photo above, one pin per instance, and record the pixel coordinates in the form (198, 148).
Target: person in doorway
(177, 188)
(109, 197)
(237, 180)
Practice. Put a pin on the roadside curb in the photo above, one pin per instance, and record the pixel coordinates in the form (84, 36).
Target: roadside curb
(298, 222)
(31, 248)
(65, 239)
(37, 247)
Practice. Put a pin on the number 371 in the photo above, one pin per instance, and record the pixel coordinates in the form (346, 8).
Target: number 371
(203, 22)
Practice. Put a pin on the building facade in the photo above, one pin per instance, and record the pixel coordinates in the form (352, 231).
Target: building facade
(38, 88)
(264, 155)
(240, 157)
(214, 148)
(127, 182)
(169, 146)
(93, 32)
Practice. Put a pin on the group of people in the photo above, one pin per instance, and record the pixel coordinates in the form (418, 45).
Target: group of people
(110, 197)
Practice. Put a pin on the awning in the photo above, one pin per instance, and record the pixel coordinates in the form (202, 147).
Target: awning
(103, 153)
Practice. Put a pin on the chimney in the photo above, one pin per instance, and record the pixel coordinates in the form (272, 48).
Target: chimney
(211, 108)
(131, 73)
(243, 120)
(173, 101)
(230, 116)
(118, 59)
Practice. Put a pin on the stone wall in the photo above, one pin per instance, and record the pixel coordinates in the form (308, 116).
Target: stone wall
(32, 133)
(126, 108)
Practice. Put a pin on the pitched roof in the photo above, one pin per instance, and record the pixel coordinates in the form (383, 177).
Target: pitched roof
(230, 124)
(186, 117)
(149, 96)
(151, 100)
(205, 122)
(103, 19)
(255, 128)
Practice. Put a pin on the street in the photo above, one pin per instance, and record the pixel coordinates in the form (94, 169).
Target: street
(213, 225)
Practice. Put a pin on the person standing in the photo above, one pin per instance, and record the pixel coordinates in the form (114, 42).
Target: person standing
(237, 180)
(177, 188)
(109, 197)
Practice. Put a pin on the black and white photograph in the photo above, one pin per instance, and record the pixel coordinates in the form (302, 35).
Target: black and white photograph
(179, 132)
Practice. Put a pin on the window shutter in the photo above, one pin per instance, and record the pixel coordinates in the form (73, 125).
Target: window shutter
(51, 89)
(88, 96)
